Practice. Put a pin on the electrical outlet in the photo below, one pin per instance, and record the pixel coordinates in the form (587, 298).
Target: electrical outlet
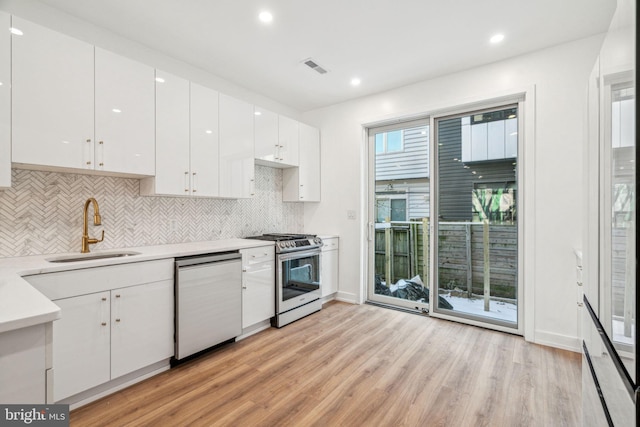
(173, 226)
(351, 214)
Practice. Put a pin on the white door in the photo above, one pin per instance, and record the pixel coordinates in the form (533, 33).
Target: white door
(124, 114)
(475, 241)
(141, 326)
(236, 148)
(398, 202)
(52, 98)
(81, 342)
(172, 135)
(204, 151)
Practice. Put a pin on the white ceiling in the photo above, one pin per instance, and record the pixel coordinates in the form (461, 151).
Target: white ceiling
(385, 43)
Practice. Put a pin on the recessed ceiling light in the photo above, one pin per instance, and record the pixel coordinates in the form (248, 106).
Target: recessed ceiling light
(116, 110)
(16, 31)
(355, 81)
(159, 79)
(208, 131)
(257, 113)
(265, 17)
(497, 38)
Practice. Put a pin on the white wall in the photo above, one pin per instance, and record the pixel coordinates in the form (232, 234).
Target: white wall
(62, 22)
(560, 77)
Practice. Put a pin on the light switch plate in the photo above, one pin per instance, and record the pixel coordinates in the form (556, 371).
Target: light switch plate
(351, 214)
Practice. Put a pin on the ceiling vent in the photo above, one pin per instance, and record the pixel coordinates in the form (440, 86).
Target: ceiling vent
(314, 66)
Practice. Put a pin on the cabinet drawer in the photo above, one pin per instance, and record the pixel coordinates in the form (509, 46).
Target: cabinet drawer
(257, 255)
(65, 284)
(330, 244)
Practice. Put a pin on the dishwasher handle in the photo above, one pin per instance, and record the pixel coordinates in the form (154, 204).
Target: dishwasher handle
(207, 258)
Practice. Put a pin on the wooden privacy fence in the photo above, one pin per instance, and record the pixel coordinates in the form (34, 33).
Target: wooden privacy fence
(467, 255)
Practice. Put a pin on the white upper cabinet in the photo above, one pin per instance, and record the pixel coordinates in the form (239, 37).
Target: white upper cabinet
(77, 107)
(205, 158)
(236, 148)
(172, 138)
(5, 100)
(302, 184)
(124, 114)
(288, 140)
(309, 163)
(52, 99)
(186, 139)
(266, 137)
(276, 139)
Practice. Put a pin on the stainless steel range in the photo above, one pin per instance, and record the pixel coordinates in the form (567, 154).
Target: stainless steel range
(297, 276)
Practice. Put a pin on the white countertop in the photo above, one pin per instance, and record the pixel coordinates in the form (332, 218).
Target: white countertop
(21, 305)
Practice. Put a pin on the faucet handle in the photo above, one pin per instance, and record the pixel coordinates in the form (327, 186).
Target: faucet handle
(92, 240)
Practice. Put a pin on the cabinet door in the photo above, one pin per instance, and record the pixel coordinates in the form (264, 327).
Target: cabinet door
(5, 100)
(204, 142)
(172, 135)
(124, 115)
(52, 99)
(329, 272)
(81, 344)
(309, 164)
(288, 136)
(236, 148)
(258, 293)
(266, 136)
(141, 326)
(22, 366)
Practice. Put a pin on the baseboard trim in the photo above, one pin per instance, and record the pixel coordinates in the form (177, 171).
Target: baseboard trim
(346, 297)
(564, 342)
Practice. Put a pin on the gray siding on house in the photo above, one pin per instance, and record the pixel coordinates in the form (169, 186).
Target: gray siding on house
(455, 181)
(413, 162)
(416, 192)
(418, 202)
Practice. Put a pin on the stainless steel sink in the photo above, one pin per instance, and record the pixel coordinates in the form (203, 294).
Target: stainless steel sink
(92, 256)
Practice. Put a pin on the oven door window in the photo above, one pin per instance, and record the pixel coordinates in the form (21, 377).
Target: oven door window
(300, 276)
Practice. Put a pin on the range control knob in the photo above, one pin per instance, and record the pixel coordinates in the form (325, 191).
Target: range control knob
(317, 241)
(282, 244)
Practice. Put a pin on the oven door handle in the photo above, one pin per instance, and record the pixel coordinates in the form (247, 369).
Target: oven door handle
(299, 254)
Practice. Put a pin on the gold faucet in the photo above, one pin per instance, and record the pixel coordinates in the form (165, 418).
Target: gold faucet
(97, 220)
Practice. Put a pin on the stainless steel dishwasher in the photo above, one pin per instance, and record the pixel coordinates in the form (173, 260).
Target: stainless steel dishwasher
(208, 298)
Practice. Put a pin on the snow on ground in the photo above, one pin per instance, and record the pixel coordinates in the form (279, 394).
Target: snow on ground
(618, 332)
(497, 309)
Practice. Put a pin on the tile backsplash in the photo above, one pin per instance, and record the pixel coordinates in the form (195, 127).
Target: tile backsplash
(42, 213)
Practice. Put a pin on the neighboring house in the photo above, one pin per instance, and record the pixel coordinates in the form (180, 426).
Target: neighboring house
(477, 166)
(402, 174)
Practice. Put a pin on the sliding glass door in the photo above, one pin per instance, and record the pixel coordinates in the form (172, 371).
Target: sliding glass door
(475, 241)
(399, 214)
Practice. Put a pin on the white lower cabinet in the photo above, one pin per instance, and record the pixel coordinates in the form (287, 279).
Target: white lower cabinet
(115, 320)
(81, 342)
(329, 266)
(141, 326)
(258, 285)
(23, 365)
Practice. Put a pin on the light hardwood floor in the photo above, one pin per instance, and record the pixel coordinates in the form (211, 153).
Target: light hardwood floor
(358, 365)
